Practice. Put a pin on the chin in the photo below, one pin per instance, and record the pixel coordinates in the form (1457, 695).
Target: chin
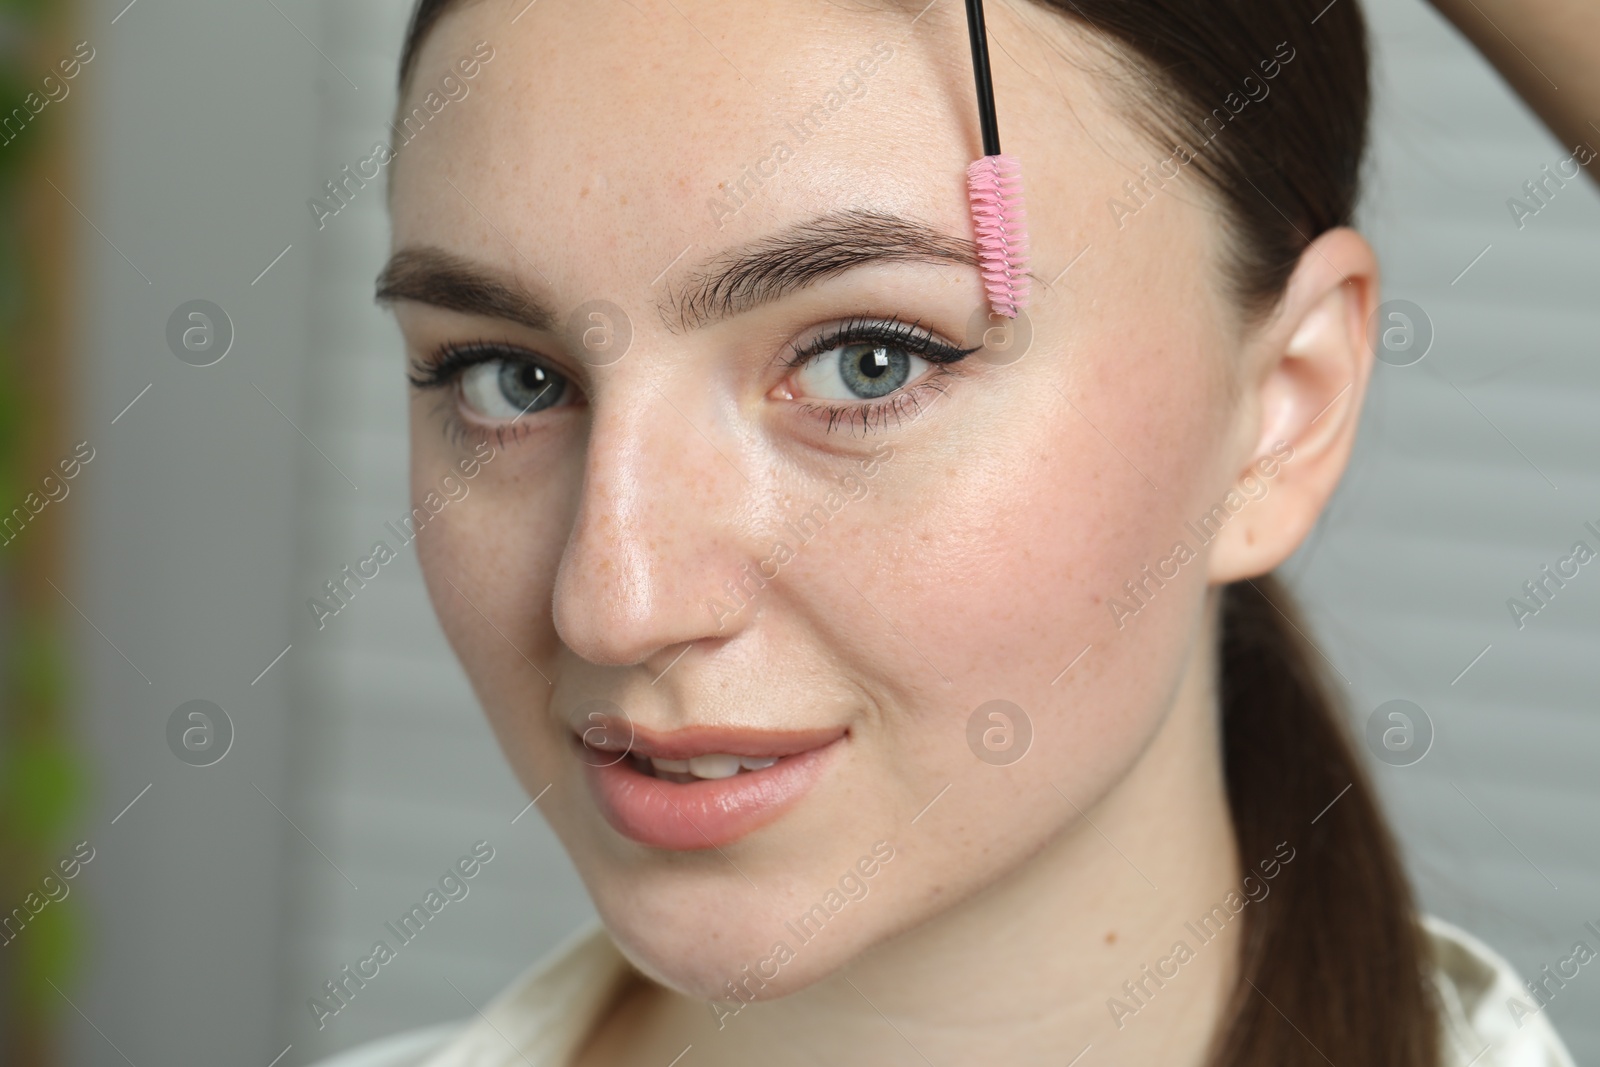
(755, 906)
(731, 943)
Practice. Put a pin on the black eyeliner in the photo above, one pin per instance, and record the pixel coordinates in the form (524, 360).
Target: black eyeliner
(910, 337)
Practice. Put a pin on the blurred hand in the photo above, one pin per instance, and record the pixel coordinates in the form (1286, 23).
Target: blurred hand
(1548, 51)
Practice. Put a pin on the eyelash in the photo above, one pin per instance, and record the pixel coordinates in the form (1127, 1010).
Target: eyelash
(449, 361)
(910, 337)
(443, 369)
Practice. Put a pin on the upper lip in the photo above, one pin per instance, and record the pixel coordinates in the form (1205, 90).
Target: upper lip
(609, 734)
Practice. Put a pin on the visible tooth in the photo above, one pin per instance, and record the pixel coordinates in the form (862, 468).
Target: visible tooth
(681, 766)
(757, 763)
(714, 765)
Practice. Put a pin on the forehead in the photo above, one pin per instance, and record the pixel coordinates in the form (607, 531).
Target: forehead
(669, 104)
(643, 112)
(606, 141)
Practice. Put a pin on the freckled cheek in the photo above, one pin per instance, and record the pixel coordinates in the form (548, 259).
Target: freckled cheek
(489, 571)
(484, 581)
(1000, 572)
(1001, 578)
(444, 556)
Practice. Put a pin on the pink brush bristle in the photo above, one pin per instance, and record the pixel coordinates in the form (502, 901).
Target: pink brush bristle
(995, 185)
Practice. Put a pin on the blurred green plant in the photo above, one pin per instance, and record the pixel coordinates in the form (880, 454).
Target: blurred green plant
(41, 782)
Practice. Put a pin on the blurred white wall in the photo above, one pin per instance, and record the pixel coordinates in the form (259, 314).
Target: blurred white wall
(224, 498)
(1476, 467)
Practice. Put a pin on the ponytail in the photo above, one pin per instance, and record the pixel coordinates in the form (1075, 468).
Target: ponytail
(1332, 965)
(1266, 102)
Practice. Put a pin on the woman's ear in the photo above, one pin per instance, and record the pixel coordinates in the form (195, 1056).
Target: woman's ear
(1308, 372)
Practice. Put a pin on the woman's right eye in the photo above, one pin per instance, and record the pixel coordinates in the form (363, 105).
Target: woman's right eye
(505, 390)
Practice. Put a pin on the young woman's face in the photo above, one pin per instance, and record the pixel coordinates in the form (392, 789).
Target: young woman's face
(769, 511)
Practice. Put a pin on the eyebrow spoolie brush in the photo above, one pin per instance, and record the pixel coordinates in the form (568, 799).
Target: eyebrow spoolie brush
(994, 184)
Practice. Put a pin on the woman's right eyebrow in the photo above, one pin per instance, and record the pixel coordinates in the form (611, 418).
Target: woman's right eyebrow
(730, 283)
(429, 275)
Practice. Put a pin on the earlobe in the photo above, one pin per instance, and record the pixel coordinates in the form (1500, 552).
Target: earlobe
(1314, 360)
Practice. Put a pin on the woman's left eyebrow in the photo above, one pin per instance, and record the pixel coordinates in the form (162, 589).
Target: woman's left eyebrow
(729, 283)
(739, 279)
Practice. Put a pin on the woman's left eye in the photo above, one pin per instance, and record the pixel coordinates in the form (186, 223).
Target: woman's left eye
(859, 370)
(880, 364)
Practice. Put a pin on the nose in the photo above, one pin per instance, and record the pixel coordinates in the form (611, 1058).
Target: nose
(663, 523)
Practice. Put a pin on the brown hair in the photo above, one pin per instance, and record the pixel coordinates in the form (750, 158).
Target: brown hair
(1332, 965)
(424, 17)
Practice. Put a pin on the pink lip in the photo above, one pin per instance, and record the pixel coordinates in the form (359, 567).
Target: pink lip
(705, 814)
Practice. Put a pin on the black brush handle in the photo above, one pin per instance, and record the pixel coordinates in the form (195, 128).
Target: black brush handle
(980, 70)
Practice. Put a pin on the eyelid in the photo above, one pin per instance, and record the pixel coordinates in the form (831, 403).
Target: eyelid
(443, 369)
(445, 364)
(945, 360)
(913, 337)
(893, 405)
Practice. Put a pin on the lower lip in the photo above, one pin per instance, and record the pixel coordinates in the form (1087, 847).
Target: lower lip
(697, 815)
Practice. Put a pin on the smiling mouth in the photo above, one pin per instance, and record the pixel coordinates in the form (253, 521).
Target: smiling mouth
(700, 787)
